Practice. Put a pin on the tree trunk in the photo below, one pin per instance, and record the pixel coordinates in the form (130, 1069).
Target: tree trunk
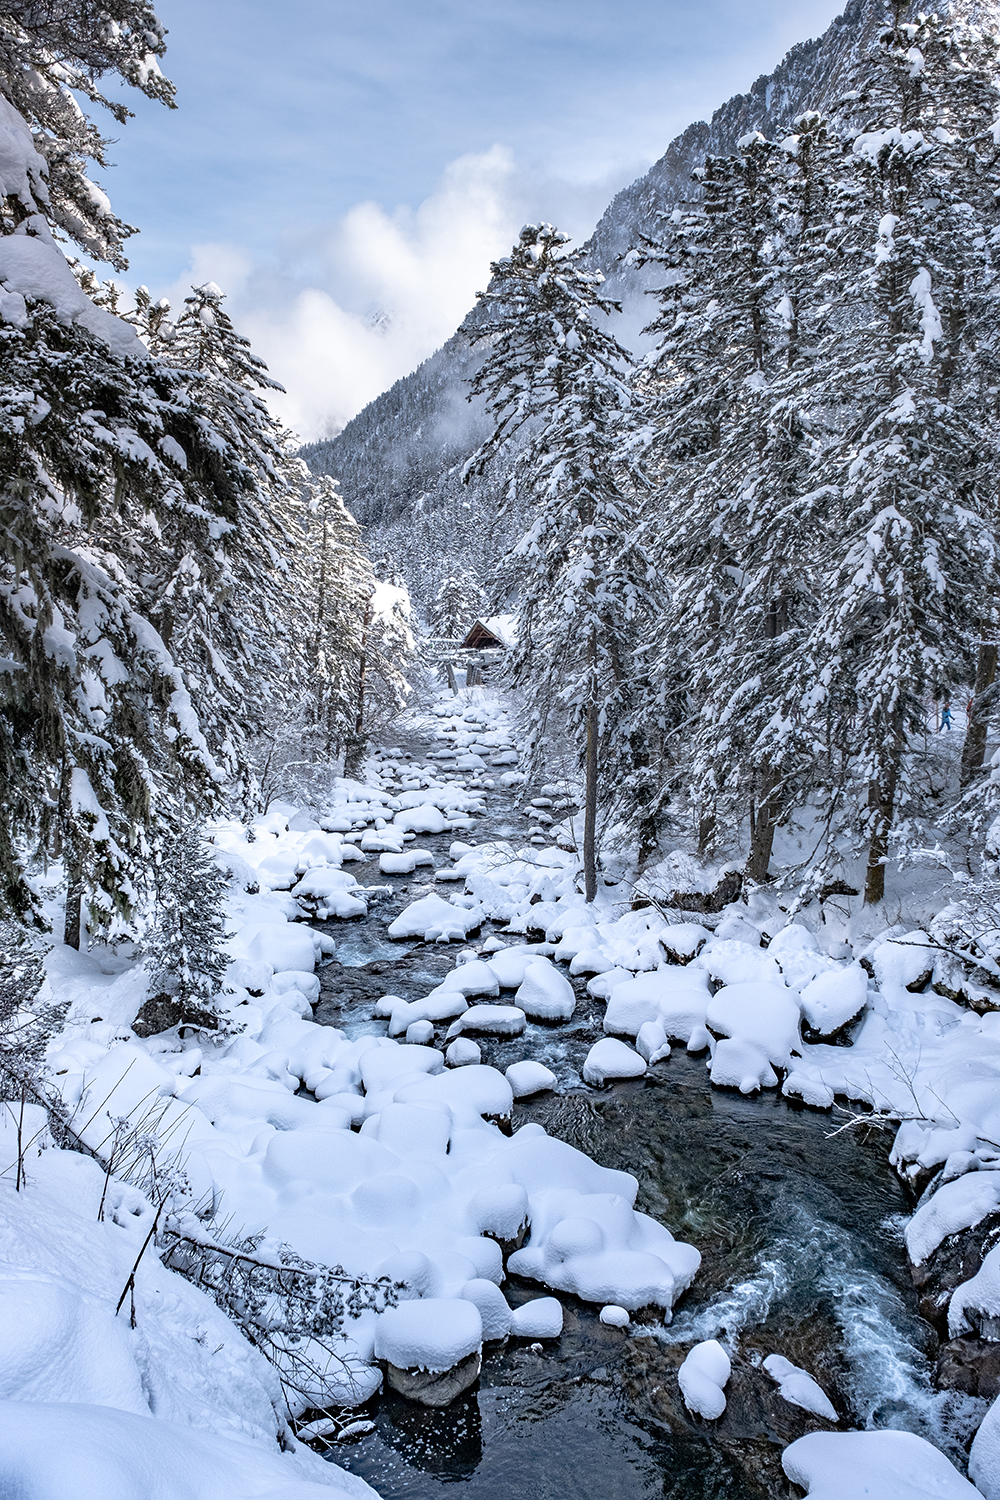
(73, 928)
(974, 749)
(763, 821)
(362, 672)
(881, 801)
(452, 679)
(590, 807)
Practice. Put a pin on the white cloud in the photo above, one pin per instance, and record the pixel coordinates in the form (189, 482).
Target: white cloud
(350, 307)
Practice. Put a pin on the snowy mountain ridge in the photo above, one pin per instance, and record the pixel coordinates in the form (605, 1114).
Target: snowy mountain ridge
(396, 459)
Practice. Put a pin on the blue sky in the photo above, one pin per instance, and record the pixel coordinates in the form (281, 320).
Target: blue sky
(346, 172)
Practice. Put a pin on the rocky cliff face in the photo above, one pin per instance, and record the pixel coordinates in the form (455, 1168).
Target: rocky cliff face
(398, 458)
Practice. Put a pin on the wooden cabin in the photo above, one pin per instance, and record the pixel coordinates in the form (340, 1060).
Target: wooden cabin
(482, 638)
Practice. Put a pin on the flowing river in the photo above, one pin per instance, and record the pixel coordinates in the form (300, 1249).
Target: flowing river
(802, 1254)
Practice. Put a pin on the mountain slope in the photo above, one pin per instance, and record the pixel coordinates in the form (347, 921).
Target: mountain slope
(398, 459)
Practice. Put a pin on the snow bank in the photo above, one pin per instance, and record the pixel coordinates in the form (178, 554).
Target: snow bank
(53, 1451)
(955, 1206)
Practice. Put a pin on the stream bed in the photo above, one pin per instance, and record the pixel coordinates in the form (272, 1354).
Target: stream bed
(800, 1231)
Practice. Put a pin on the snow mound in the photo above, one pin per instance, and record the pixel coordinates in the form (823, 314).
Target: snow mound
(430, 1333)
(610, 1058)
(614, 1317)
(675, 997)
(435, 921)
(862, 1465)
(541, 1318)
(979, 1295)
(764, 1015)
(490, 1020)
(833, 999)
(799, 1388)
(702, 1377)
(462, 1052)
(526, 1078)
(492, 1305)
(545, 994)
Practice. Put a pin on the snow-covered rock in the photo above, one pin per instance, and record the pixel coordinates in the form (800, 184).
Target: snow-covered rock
(702, 1378)
(610, 1059)
(526, 1078)
(797, 1387)
(541, 1318)
(889, 1465)
(435, 921)
(545, 994)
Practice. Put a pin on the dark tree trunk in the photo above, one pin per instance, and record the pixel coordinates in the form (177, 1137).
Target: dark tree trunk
(590, 807)
(73, 928)
(881, 801)
(974, 749)
(763, 821)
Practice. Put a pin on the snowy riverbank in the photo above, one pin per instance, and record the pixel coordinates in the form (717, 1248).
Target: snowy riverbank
(388, 1153)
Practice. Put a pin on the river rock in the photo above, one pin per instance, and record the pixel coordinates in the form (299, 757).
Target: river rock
(431, 1389)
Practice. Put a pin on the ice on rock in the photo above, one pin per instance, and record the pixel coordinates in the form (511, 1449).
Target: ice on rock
(702, 1377)
(610, 1058)
(955, 1206)
(492, 1305)
(675, 997)
(798, 1387)
(541, 1318)
(490, 1020)
(614, 1317)
(435, 921)
(886, 1465)
(833, 999)
(462, 1052)
(429, 1333)
(545, 994)
(526, 1078)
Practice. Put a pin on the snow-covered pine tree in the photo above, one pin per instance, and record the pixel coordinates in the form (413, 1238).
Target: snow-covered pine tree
(182, 950)
(584, 585)
(51, 56)
(913, 566)
(457, 604)
(340, 584)
(125, 528)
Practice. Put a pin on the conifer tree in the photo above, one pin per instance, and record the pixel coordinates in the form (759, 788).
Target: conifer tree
(583, 582)
(457, 603)
(183, 948)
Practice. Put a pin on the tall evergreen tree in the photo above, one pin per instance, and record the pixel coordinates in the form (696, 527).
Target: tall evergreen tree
(584, 584)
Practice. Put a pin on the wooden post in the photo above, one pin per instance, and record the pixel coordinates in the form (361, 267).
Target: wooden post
(452, 679)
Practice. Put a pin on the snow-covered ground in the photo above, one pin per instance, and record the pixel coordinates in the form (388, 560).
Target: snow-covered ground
(390, 1154)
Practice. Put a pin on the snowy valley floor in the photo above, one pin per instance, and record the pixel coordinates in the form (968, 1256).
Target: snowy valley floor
(441, 1051)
